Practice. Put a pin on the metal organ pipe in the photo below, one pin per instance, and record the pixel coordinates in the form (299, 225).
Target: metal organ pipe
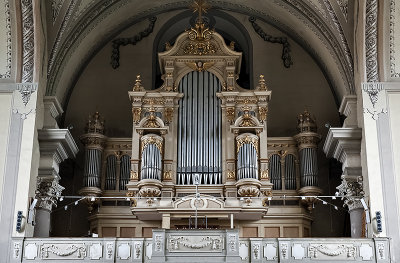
(247, 158)
(275, 171)
(290, 172)
(124, 171)
(199, 129)
(151, 165)
(111, 173)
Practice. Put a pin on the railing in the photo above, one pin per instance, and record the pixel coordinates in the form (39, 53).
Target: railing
(216, 245)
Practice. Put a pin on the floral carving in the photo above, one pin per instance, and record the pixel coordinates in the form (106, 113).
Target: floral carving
(26, 91)
(48, 192)
(331, 250)
(63, 251)
(214, 243)
(230, 114)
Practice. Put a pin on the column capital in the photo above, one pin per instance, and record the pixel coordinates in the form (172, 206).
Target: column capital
(47, 192)
(352, 188)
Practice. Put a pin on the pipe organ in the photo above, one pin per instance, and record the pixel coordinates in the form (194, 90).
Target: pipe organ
(200, 124)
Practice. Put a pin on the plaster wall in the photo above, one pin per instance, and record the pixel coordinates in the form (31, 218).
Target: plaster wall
(5, 118)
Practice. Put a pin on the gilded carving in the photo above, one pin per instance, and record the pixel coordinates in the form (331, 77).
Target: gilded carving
(262, 114)
(231, 175)
(264, 175)
(138, 84)
(248, 190)
(200, 66)
(201, 48)
(134, 175)
(261, 83)
(167, 175)
(253, 140)
(157, 141)
(151, 121)
(230, 114)
(168, 114)
(136, 112)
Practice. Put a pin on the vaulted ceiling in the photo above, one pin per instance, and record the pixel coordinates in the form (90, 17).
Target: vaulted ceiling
(77, 30)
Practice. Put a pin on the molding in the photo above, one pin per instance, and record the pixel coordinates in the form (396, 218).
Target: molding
(60, 140)
(54, 106)
(344, 6)
(24, 103)
(371, 39)
(130, 41)
(91, 19)
(55, 8)
(347, 102)
(28, 41)
(373, 103)
(339, 28)
(340, 142)
(392, 36)
(7, 74)
(60, 33)
(287, 59)
(325, 35)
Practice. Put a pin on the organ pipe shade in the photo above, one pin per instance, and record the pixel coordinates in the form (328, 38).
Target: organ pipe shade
(290, 172)
(247, 157)
(124, 174)
(111, 173)
(199, 129)
(151, 164)
(308, 167)
(275, 171)
(91, 176)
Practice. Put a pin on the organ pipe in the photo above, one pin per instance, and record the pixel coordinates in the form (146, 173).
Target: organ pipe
(93, 140)
(307, 140)
(199, 129)
(247, 156)
(151, 165)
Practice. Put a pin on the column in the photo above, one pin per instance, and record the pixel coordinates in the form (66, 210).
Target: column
(93, 140)
(55, 146)
(307, 142)
(344, 144)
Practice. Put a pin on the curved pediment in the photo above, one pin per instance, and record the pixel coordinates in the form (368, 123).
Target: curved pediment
(200, 49)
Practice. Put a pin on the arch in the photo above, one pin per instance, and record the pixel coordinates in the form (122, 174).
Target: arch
(89, 35)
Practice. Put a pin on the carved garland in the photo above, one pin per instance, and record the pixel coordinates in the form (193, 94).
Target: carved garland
(80, 249)
(130, 41)
(286, 57)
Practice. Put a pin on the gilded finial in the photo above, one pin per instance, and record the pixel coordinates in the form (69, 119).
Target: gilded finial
(232, 45)
(261, 83)
(138, 84)
(200, 32)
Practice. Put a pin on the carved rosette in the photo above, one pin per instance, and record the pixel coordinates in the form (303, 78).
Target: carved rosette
(48, 192)
(352, 189)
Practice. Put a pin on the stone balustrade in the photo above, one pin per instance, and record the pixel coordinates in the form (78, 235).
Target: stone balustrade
(200, 246)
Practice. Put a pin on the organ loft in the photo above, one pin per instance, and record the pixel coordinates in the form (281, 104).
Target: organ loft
(200, 155)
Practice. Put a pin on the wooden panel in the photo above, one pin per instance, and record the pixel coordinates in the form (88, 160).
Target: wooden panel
(147, 231)
(272, 231)
(109, 231)
(250, 232)
(127, 232)
(291, 231)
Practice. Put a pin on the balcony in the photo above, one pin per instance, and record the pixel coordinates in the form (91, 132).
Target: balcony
(200, 246)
